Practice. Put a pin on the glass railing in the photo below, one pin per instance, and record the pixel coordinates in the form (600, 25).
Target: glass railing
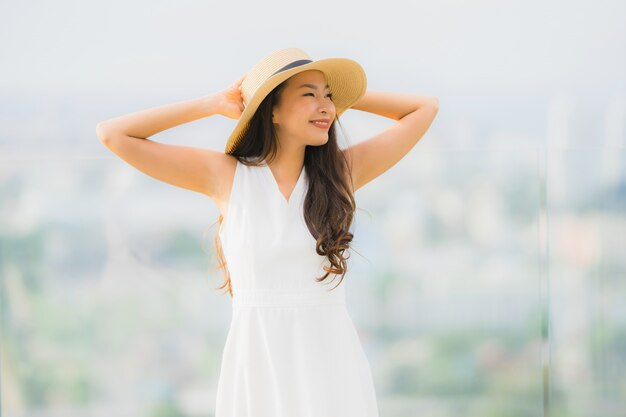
(483, 283)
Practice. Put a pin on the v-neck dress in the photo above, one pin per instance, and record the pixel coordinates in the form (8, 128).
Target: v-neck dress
(292, 349)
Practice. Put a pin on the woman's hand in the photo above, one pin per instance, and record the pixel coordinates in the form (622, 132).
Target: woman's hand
(230, 101)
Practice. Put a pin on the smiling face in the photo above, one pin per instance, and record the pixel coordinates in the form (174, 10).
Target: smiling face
(304, 99)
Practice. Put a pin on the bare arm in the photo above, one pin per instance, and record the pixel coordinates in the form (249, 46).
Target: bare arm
(196, 169)
(145, 123)
(392, 105)
(374, 156)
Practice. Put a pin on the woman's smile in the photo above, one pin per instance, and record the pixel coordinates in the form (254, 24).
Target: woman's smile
(322, 123)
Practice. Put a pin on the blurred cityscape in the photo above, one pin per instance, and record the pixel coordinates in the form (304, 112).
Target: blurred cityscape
(487, 277)
(487, 273)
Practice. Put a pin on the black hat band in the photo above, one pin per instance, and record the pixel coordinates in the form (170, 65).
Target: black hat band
(293, 65)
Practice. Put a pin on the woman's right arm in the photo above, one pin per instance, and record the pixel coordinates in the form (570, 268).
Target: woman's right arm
(146, 123)
(195, 169)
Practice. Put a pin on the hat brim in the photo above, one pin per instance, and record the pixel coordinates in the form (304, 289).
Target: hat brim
(346, 79)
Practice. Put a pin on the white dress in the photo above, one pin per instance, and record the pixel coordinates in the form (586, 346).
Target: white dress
(292, 349)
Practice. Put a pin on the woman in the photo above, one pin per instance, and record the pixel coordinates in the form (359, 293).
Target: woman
(285, 191)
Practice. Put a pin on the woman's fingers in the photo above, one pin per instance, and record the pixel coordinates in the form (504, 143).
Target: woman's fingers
(240, 80)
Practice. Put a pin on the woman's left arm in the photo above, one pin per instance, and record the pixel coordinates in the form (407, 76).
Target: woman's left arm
(414, 115)
(393, 105)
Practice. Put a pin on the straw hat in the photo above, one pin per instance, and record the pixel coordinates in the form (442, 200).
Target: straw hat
(345, 77)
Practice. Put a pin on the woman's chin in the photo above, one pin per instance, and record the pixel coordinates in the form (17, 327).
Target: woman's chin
(321, 142)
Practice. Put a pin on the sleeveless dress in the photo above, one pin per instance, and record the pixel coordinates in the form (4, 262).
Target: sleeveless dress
(292, 349)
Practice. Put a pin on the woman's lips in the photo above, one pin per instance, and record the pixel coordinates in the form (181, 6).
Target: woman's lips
(321, 125)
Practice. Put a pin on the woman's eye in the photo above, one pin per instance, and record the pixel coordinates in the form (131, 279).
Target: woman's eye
(327, 95)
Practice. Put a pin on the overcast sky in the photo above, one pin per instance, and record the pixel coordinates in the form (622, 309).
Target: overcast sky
(477, 56)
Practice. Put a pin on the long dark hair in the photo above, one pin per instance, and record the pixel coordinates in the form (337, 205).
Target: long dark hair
(329, 204)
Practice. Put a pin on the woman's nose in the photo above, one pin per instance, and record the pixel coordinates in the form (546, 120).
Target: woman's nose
(325, 107)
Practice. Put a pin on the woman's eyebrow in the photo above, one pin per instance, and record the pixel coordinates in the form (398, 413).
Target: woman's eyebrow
(313, 86)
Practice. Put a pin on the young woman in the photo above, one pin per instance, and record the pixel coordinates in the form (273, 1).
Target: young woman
(285, 191)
